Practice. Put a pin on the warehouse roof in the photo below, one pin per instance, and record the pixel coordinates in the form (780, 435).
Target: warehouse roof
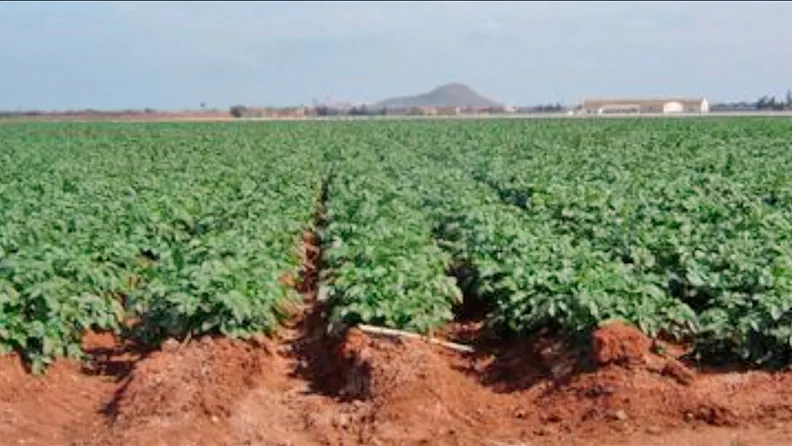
(640, 101)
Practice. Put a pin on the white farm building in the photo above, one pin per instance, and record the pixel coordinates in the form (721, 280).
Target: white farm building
(633, 105)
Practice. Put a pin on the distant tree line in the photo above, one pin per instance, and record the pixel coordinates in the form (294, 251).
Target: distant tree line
(241, 111)
(363, 110)
(765, 103)
(92, 113)
(771, 103)
(545, 108)
(85, 112)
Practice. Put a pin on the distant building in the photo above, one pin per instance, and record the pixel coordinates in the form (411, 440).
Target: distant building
(448, 111)
(428, 111)
(660, 105)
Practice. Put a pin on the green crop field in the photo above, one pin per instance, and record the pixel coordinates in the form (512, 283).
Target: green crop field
(681, 227)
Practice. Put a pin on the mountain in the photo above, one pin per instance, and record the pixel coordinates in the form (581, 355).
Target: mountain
(449, 95)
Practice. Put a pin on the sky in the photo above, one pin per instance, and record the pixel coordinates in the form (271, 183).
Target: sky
(176, 55)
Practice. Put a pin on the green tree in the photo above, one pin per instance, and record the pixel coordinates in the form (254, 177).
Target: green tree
(238, 111)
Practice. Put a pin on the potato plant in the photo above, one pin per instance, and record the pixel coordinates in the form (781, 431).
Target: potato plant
(682, 227)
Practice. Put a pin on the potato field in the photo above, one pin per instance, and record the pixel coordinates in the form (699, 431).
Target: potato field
(149, 232)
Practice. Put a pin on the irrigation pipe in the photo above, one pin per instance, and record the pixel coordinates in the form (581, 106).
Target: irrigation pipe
(369, 329)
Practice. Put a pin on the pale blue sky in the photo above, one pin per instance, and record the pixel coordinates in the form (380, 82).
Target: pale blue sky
(175, 55)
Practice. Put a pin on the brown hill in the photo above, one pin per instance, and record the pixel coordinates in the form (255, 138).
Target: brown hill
(449, 95)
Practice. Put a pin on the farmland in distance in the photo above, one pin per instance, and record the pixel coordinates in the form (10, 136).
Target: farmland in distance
(183, 279)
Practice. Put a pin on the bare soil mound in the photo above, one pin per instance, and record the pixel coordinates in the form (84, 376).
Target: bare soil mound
(58, 409)
(195, 386)
(367, 390)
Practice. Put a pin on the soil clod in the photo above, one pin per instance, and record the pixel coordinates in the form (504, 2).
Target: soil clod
(619, 343)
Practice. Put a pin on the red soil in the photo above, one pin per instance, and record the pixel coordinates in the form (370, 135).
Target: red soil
(619, 344)
(306, 389)
(366, 390)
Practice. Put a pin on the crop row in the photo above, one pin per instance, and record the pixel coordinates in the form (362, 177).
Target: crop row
(150, 231)
(173, 230)
(681, 228)
(527, 274)
(684, 228)
(384, 267)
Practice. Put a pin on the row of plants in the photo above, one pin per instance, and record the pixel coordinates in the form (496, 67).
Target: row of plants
(383, 265)
(692, 218)
(526, 274)
(681, 227)
(147, 230)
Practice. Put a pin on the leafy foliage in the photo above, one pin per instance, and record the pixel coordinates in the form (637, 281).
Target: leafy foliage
(185, 228)
(385, 267)
(682, 227)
